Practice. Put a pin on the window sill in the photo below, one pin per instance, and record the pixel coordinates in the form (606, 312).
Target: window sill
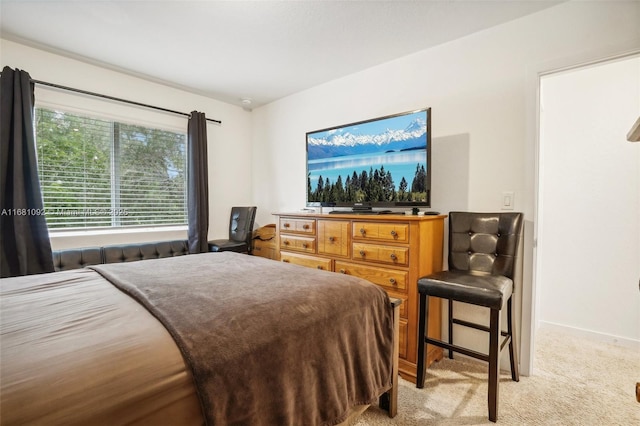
(100, 237)
(53, 233)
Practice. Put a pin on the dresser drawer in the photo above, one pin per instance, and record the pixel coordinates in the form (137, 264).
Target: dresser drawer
(391, 255)
(390, 279)
(403, 339)
(308, 261)
(334, 238)
(264, 250)
(298, 226)
(258, 243)
(298, 243)
(397, 232)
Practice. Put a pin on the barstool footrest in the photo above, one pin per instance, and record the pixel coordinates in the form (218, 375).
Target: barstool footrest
(466, 351)
(459, 349)
(471, 325)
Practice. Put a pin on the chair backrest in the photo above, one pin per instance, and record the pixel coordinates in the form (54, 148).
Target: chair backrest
(241, 224)
(484, 242)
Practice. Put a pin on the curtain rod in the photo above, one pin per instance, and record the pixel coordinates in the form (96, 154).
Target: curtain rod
(85, 92)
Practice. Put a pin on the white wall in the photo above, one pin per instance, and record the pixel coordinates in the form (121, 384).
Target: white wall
(589, 240)
(477, 87)
(482, 90)
(229, 147)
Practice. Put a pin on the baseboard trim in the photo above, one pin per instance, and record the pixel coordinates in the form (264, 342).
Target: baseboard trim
(591, 335)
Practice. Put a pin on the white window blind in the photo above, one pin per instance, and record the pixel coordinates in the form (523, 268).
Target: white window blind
(98, 173)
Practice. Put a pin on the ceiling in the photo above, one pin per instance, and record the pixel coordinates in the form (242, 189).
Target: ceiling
(256, 50)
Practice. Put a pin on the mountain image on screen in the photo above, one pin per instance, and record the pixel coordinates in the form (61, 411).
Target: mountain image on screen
(381, 161)
(341, 143)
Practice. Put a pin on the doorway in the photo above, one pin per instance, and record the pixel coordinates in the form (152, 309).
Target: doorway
(588, 213)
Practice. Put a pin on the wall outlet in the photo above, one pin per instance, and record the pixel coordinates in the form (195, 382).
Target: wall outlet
(508, 200)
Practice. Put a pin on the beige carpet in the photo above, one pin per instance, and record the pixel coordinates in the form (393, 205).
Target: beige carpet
(576, 382)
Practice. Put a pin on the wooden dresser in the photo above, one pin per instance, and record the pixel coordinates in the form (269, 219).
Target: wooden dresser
(390, 250)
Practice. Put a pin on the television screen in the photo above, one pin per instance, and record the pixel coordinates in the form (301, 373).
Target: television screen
(383, 162)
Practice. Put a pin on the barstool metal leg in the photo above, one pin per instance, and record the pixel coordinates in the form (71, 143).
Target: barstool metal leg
(513, 348)
(423, 316)
(450, 327)
(494, 363)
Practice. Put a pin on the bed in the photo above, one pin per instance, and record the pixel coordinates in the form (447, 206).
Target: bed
(214, 338)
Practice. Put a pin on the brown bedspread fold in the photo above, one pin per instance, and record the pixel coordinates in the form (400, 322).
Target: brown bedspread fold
(268, 343)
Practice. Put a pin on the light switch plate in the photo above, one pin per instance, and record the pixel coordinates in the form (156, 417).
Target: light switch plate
(508, 200)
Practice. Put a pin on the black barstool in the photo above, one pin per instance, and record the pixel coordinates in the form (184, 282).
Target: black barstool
(483, 251)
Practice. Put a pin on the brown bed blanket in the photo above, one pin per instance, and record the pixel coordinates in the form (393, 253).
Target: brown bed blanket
(75, 350)
(268, 343)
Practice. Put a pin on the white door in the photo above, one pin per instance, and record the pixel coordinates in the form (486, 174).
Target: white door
(588, 252)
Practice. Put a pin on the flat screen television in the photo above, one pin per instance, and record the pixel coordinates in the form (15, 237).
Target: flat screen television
(382, 162)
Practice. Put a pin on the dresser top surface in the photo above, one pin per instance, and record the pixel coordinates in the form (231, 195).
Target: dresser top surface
(368, 217)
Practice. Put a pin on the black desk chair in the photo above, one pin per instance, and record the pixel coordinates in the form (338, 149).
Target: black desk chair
(240, 231)
(482, 256)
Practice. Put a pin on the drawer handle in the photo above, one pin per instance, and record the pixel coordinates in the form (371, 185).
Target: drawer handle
(286, 225)
(305, 245)
(305, 226)
(362, 231)
(332, 239)
(362, 253)
(319, 267)
(343, 271)
(392, 281)
(285, 260)
(286, 242)
(393, 256)
(394, 233)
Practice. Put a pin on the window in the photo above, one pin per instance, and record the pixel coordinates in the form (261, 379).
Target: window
(100, 173)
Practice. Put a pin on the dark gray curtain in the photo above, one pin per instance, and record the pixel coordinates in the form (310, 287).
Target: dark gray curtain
(198, 183)
(24, 239)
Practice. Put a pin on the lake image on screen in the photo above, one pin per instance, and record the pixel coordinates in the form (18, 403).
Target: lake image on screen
(399, 164)
(381, 160)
